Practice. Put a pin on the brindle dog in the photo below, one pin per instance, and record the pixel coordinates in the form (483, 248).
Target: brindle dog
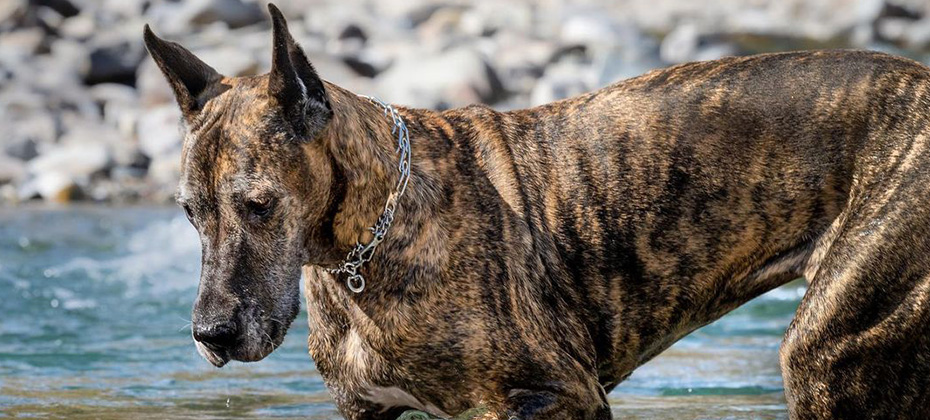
(539, 256)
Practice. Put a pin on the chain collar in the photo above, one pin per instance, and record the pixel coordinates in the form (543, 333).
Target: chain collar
(362, 253)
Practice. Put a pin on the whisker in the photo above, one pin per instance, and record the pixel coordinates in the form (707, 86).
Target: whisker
(267, 350)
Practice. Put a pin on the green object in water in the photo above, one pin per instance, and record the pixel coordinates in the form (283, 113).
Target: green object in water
(420, 415)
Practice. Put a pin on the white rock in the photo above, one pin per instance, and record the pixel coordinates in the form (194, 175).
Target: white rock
(588, 29)
(10, 10)
(440, 26)
(230, 60)
(234, 13)
(151, 84)
(79, 27)
(454, 78)
(680, 45)
(120, 106)
(25, 41)
(165, 169)
(159, 133)
(520, 60)
(492, 16)
(918, 33)
(75, 160)
(52, 186)
(113, 92)
(560, 81)
(714, 51)
(39, 128)
(11, 169)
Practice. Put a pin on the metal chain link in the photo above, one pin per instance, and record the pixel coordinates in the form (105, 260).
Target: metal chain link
(361, 254)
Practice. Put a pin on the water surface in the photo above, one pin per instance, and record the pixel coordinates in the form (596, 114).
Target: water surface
(94, 323)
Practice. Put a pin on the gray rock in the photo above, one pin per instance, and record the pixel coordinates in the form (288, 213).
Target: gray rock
(63, 7)
(165, 170)
(714, 51)
(486, 18)
(11, 13)
(230, 60)
(20, 100)
(120, 106)
(151, 86)
(22, 148)
(52, 186)
(635, 54)
(68, 61)
(24, 41)
(588, 28)
(80, 27)
(234, 13)
(113, 92)
(441, 25)
(122, 149)
(338, 72)
(126, 8)
(454, 78)
(29, 132)
(520, 60)
(75, 161)
(561, 81)
(680, 45)
(11, 169)
(8, 194)
(113, 59)
(918, 34)
(158, 131)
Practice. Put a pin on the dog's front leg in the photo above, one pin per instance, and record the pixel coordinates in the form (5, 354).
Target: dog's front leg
(524, 404)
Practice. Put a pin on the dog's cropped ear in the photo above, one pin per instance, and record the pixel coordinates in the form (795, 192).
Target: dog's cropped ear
(188, 76)
(294, 83)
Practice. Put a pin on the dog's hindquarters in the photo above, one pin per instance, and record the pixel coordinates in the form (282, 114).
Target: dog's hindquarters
(859, 346)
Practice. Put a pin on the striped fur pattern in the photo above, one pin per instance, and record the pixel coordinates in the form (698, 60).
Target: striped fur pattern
(541, 255)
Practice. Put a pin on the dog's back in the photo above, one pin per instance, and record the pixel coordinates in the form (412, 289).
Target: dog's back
(674, 197)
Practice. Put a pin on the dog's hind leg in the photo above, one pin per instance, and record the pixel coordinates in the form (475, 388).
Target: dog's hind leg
(859, 346)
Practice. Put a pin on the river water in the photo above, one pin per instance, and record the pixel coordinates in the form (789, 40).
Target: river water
(94, 323)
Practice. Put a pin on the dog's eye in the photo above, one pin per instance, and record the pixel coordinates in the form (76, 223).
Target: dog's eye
(259, 208)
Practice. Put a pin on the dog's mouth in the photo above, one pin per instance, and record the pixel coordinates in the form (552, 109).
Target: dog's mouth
(216, 356)
(256, 343)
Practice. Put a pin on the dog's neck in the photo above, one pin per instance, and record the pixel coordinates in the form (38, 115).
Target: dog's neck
(363, 148)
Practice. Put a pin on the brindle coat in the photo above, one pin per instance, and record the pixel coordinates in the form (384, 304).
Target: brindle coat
(541, 255)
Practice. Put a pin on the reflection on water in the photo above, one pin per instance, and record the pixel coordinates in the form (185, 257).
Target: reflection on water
(94, 323)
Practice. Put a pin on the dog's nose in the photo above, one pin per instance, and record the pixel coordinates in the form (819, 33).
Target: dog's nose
(219, 335)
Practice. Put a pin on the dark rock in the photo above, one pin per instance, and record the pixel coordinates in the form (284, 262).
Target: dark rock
(360, 67)
(63, 7)
(234, 13)
(353, 31)
(22, 148)
(114, 63)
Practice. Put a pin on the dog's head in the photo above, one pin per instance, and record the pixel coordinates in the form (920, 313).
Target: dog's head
(256, 184)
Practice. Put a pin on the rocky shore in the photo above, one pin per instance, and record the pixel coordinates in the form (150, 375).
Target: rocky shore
(85, 114)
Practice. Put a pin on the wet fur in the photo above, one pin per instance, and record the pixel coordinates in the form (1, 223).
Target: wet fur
(541, 255)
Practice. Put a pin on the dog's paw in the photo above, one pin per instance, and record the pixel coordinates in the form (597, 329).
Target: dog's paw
(470, 414)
